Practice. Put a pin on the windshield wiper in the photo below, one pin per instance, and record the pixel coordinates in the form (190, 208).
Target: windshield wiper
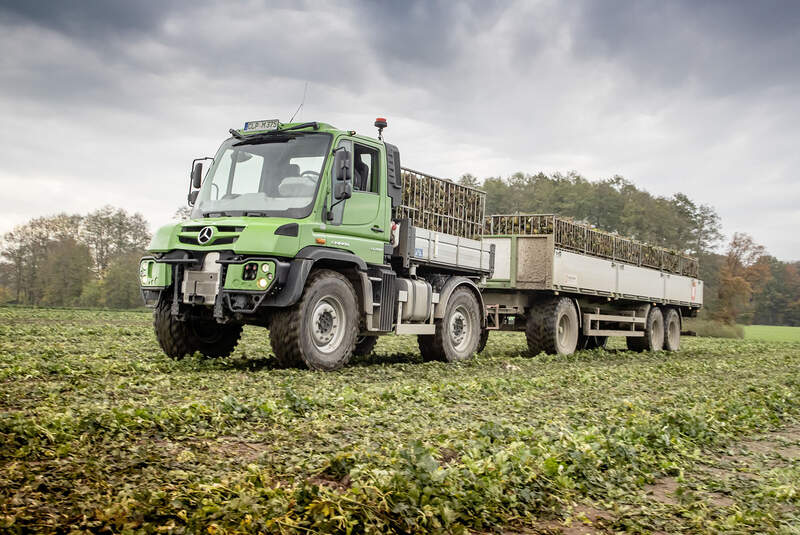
(313, 124)
(217, 213)
(267, 137)
(274, 134)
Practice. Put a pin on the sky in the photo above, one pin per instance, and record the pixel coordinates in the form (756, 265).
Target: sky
(108, 102)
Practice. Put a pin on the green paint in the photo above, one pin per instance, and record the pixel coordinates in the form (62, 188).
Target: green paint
(364, 229)
(234, 279)
(153, 274)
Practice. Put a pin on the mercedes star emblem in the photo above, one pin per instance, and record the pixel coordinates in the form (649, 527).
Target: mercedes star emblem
(205, 235)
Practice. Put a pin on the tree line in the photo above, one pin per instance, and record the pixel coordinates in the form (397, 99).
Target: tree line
(92, 260)
(74, 260)
(743, 283)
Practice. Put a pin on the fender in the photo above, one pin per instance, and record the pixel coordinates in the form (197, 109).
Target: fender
(449, 287)
(315, 253)
(301, 266)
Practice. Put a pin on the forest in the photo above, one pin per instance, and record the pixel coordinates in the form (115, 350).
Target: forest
(91, 260)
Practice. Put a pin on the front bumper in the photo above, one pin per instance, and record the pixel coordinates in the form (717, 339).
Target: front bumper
(235, 288)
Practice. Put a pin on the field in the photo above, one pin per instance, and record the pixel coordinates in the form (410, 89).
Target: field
(772, 333)
(99, 432)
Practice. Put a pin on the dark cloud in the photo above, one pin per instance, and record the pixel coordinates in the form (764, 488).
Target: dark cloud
(424, 33)
(93, 20)
(676, 96)
(722, 47)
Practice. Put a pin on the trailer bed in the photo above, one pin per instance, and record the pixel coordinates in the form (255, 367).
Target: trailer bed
(534, 262)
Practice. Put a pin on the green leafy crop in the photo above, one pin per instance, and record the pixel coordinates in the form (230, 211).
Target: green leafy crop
(99, 432)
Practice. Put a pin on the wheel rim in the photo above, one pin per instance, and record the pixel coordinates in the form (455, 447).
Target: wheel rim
(460, 328)
(563, 331)
(328, 324)
(209, 334)
(673, 332)
(657, 334)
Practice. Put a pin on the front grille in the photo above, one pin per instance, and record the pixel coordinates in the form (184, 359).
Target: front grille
(189, 234)
(219, 241)
(219, 228)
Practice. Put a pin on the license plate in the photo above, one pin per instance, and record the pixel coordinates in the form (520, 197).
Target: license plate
(269, 124)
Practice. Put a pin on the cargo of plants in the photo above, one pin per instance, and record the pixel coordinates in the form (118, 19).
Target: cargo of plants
(584, 239)
(441, 205)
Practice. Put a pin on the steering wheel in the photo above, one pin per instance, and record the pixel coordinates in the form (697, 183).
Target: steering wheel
(313, 175)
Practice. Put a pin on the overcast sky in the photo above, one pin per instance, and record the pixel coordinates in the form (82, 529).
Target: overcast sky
(107, 102)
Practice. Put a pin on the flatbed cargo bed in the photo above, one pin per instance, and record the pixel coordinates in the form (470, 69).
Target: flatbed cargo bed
(537, 262)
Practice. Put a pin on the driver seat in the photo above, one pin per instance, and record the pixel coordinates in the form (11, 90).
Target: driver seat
(361, 177)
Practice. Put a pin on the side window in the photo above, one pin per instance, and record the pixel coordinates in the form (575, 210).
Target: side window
(366, 169)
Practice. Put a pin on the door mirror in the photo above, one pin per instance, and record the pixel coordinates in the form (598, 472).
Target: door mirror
(342, 175)
(342, 190)
(341, 165)
(197, 171)
(196, 178)
(197, 175)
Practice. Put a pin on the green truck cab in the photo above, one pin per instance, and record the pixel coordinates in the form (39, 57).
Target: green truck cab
(295, 227)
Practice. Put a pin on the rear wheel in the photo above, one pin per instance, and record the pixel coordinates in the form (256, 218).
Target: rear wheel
(320, 329)
(457, 333)
(365, 345)
(552, 327)
(653, 339)
(672, 330)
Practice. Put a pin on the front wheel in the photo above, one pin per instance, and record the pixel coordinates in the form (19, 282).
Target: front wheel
(457, 333)
(181, 338)
(320, 329)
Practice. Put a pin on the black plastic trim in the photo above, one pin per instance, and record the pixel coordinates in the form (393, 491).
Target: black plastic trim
(291, 289)
(289, 229)
(323, 253)
(394, 175)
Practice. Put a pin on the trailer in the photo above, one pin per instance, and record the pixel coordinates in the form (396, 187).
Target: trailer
(569, 286)
(321, 236)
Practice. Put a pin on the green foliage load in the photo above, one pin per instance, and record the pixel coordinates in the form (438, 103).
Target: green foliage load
(582, 238)
(441, 205)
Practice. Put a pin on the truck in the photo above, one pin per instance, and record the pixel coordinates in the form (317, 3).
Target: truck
(321, 236)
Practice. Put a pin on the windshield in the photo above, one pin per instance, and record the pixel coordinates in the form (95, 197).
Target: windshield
(273, 175)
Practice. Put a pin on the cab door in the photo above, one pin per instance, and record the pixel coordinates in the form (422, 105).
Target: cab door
(364, 214)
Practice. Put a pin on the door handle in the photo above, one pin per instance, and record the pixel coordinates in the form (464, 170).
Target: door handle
(376, 228)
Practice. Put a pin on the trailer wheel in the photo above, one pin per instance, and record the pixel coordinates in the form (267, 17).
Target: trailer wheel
(593, 342)
(320, 329)
(181, 338)
(672, 330)
(653, 339)
(552, 327)
(482, 340)
(457, 333)
(365, 345)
